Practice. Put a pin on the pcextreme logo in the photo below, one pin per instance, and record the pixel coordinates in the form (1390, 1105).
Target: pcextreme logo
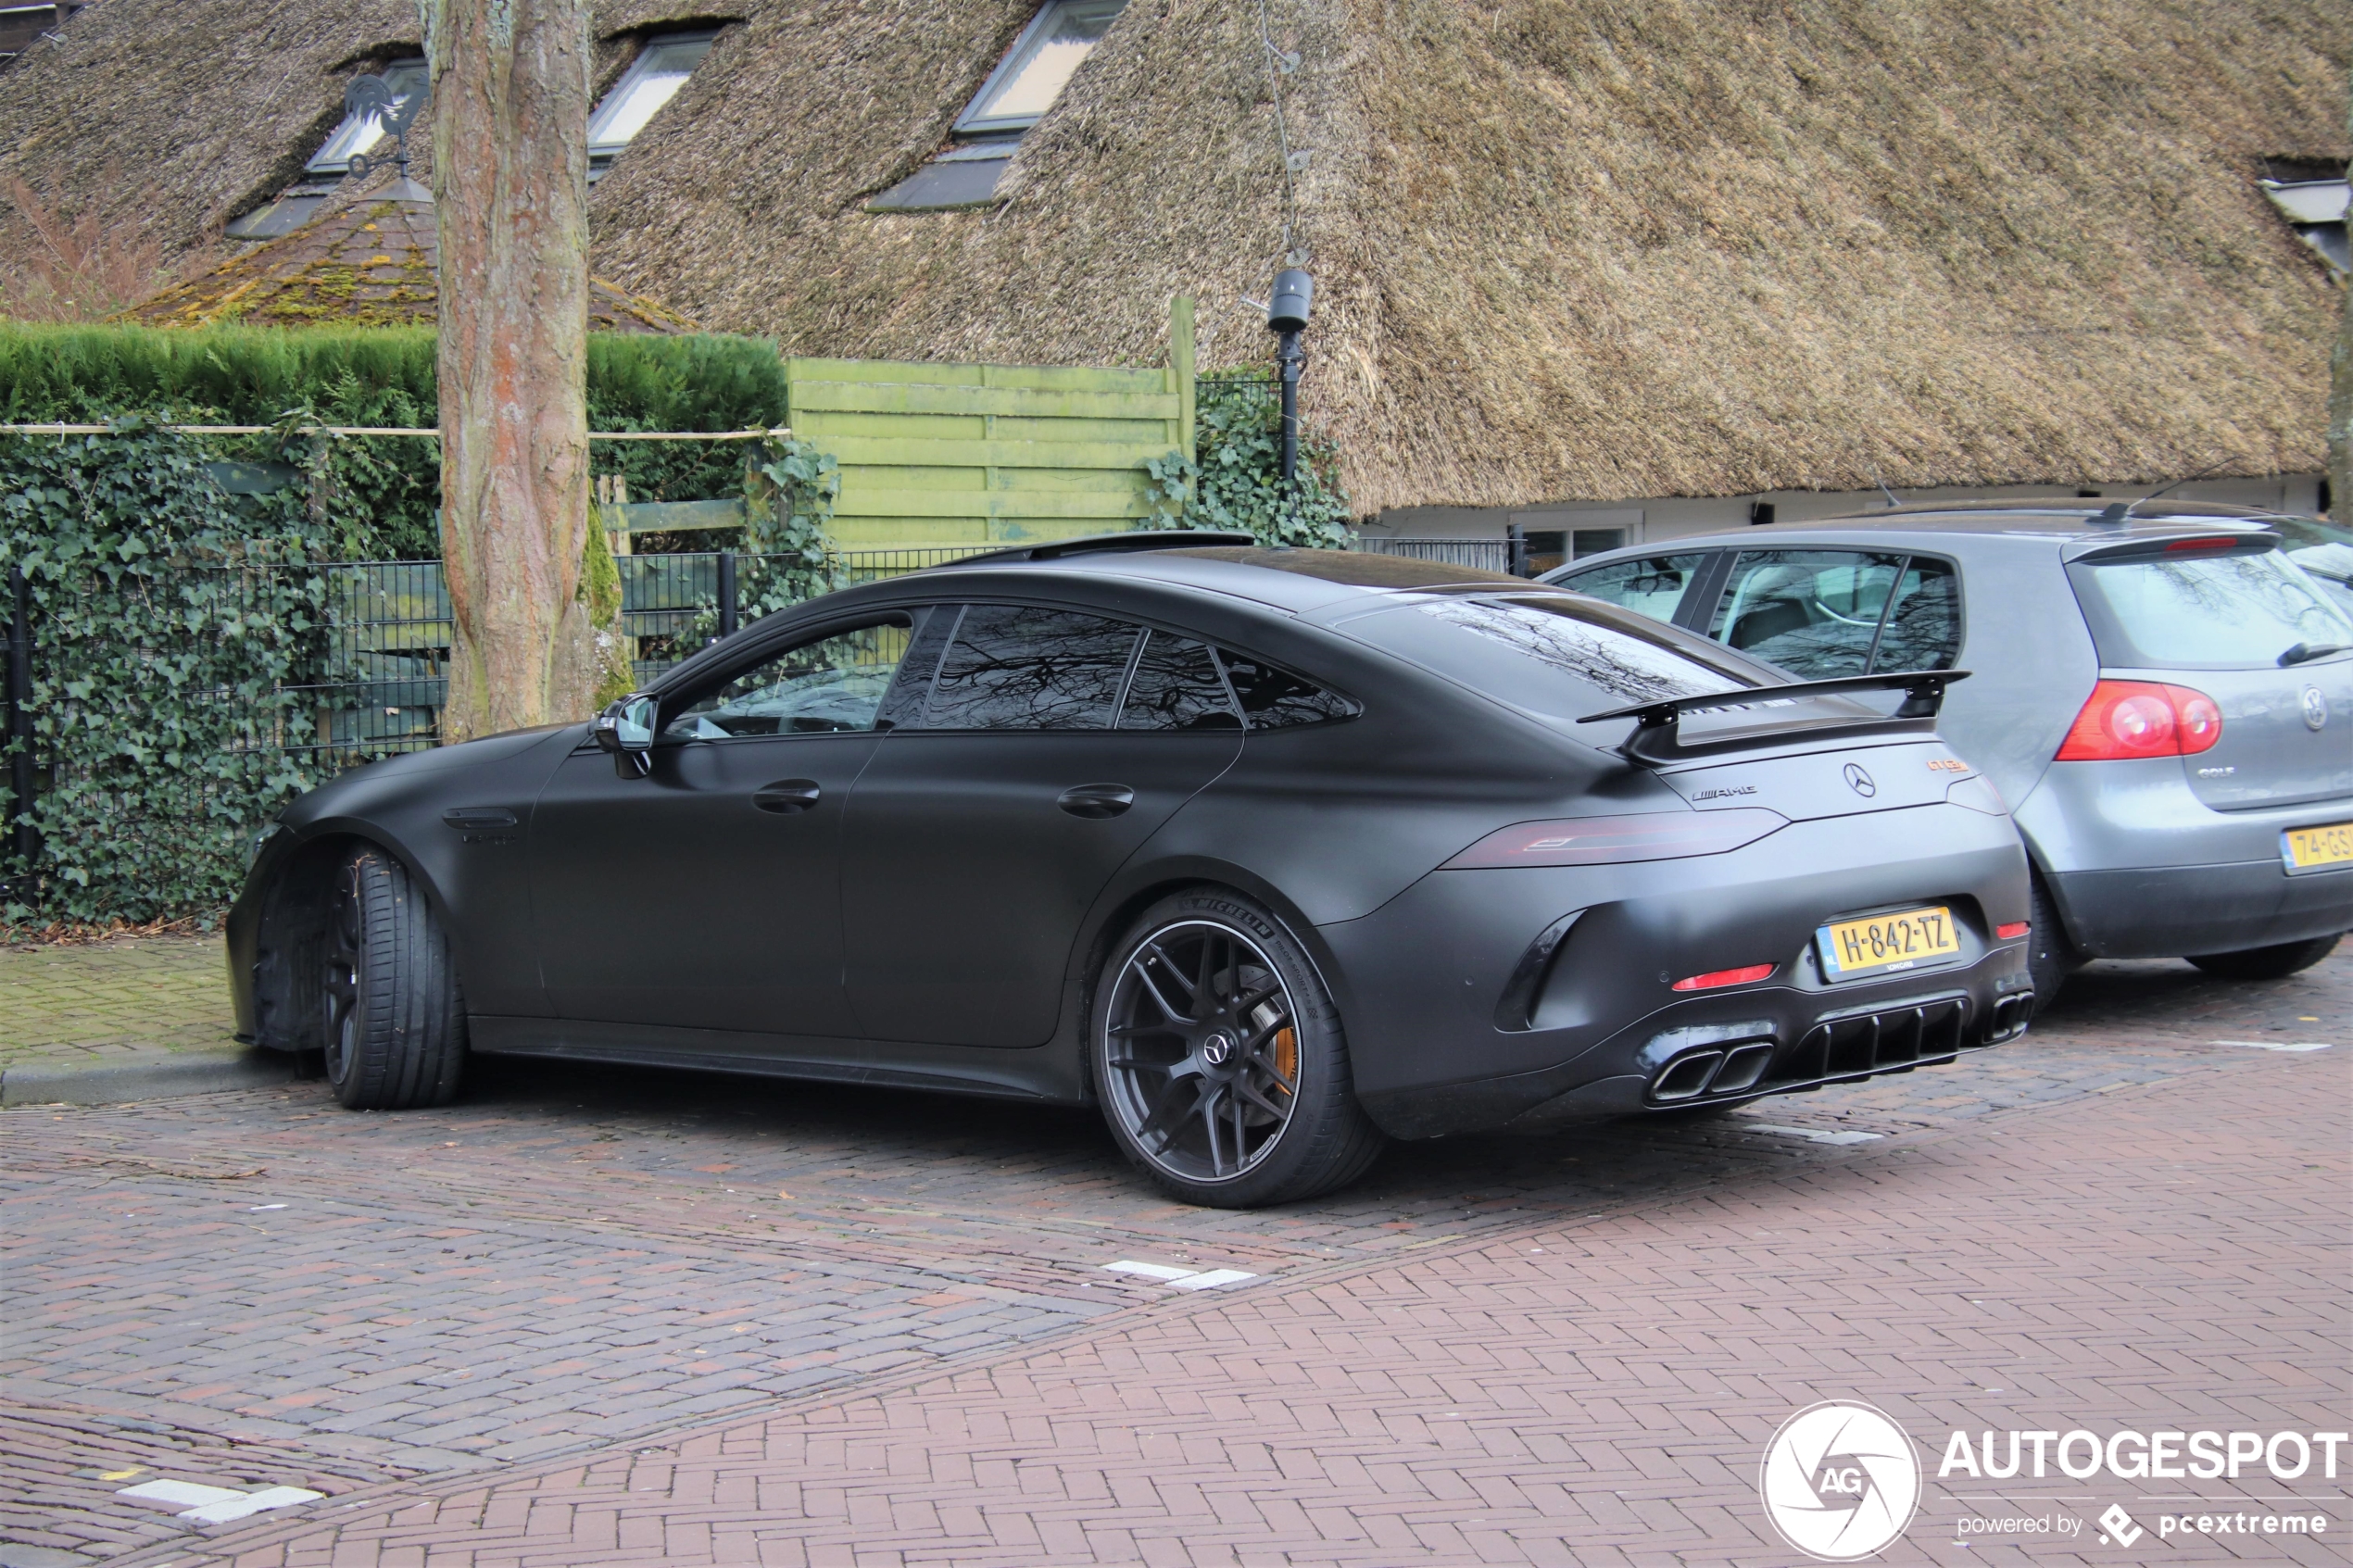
(1840, 1480)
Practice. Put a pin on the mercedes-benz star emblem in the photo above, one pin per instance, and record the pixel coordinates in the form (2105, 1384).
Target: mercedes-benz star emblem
(1860, 781)
(2316, 707)
(1217, 1049)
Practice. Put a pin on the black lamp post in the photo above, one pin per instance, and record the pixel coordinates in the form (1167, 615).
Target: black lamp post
(1287, 318)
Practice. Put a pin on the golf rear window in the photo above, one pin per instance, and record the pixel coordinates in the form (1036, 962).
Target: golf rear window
(2220, 612)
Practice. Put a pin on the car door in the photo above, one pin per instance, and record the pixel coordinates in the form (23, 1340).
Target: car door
(707, 894)
(1051, 743)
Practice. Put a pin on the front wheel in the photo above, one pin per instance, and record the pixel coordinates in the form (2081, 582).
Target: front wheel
(395, 1026)
(2266, 963)
(1220, 1057)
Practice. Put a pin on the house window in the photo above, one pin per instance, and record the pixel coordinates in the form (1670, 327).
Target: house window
(1016, 96)
(359, 133)
(2311, 193)
(653, 78)
(1019, 92)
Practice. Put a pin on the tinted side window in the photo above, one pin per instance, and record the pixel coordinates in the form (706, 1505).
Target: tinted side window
(836, 683)
(903, 704)
(1813, 612)
(1176, 686)
(1017, 666)
(1654, 586)
(1275, 700)
(1923, 629)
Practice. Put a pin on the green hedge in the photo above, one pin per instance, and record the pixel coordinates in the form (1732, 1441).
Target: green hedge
(376, 495)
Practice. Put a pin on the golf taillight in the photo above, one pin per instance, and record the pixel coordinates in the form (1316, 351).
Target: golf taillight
(2011, 932)
(1714, 978)
(2123, 719)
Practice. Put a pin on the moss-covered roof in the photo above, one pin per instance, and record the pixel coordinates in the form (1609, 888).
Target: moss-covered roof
(369, 263)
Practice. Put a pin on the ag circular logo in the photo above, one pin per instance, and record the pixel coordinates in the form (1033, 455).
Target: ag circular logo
(1860, 781)
(1839, 1481)
(2316, 708)
(1216, 1050)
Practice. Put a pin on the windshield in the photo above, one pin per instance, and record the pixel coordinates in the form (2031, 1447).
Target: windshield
(1556, 653)
(2205, 612)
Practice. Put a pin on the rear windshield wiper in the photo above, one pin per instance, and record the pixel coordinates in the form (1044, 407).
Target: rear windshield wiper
(2302, 652)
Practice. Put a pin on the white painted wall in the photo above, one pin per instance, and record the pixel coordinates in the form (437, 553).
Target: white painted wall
(1649, 521)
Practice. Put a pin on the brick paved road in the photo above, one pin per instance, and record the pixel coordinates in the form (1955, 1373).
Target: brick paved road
(467, 1324)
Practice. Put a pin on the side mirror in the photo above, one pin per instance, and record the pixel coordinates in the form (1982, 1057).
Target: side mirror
(626, 730)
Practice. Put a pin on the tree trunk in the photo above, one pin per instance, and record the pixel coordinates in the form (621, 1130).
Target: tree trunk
(511, 187)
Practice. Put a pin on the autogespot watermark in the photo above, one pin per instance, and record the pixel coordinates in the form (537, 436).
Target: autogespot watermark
(1841, 1481)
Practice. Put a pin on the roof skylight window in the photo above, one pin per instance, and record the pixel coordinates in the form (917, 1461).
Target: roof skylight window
(653, 78)
(2316, 208)
(359, 133)
(1041, 65)
(1016, 96)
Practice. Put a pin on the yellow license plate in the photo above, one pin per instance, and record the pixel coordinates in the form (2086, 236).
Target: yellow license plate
(2330, 844)
(1885, 944)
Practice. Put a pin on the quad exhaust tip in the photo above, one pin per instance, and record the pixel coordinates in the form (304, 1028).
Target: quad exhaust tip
(1889, 1039)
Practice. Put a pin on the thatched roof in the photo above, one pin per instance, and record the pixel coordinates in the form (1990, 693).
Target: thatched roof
(1564, 248)
(371, 262)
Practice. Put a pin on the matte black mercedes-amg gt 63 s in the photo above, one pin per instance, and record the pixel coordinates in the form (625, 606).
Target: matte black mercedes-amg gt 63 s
(1269, 853)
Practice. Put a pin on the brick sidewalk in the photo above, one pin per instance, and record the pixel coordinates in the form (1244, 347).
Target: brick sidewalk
(573, 1263)
(1592, 1392)
(103, 1004)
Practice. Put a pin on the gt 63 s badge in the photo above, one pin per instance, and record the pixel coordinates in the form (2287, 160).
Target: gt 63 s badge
(1839, 1481)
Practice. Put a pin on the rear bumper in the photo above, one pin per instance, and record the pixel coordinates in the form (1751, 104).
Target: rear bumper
(1459, 1016)
(2169, 912)
(2141, 867)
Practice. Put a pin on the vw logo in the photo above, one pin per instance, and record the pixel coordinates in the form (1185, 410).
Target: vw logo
(1860, 781)
(1839, 1481)
(2316, 707)
(1217, 1051)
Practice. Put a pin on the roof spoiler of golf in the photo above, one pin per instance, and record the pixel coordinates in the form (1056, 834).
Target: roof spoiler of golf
(1108, 544)
(1658, 739)
(2246, 539)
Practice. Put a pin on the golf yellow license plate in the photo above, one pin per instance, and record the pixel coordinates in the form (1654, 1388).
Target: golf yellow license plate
(2306, 849)
(1885, 944)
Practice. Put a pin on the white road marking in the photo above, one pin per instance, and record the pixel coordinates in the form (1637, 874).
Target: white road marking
(186, 1494)
(218, 1505)
(1212, 1279)
(2279, 1044)
(1183, 1279)
(1815, 1134)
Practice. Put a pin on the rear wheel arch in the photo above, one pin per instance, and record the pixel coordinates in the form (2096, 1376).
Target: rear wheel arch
(1119, 910)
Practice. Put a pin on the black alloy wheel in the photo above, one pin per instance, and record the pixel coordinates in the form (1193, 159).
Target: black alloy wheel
(1220, 1060)
(393, 1027)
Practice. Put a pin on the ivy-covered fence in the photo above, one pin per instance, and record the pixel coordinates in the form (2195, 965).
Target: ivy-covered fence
(221, 622)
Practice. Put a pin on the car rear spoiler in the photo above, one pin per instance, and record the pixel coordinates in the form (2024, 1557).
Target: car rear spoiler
(1657, 738)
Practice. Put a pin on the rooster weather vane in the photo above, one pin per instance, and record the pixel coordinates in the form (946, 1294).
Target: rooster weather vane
(375, 96)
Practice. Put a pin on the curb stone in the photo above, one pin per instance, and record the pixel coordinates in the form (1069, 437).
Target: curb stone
(186, 1073)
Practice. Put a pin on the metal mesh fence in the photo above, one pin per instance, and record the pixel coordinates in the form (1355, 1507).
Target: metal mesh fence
(1488, 554)
(372, 678)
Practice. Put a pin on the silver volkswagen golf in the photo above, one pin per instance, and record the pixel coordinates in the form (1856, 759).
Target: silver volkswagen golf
(2162, 695)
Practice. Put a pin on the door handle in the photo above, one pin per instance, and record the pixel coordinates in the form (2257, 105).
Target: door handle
(1096, 801)
(786, 797)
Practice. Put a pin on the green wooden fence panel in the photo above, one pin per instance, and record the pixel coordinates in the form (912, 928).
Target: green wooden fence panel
(937, 455)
